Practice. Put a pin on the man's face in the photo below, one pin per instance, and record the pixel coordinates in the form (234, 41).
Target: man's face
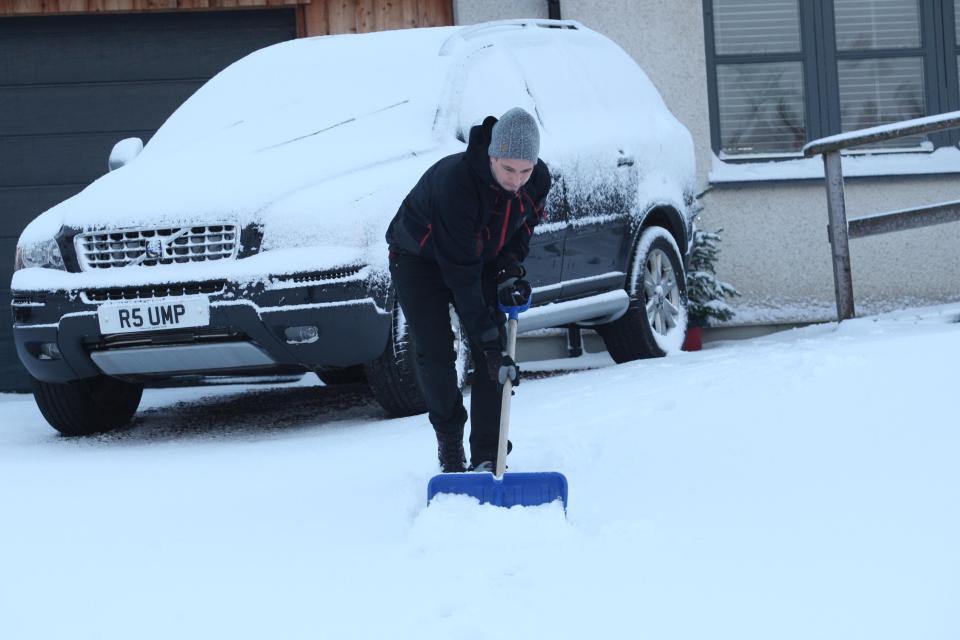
(511, 174)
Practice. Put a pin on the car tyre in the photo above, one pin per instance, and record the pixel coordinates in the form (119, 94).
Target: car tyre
(87, 406)
(656, 320)
(393, 376)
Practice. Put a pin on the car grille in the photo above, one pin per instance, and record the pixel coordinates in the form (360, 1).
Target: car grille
(152, 247)
(192, 336)
(323, 276)
(29, 300)
(153, 291)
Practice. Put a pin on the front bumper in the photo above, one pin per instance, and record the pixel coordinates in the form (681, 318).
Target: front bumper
(247, 329)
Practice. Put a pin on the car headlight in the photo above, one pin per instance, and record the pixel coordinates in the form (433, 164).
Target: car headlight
(39, 254)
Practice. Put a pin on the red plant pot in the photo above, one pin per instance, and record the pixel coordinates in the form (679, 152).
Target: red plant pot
(693, 341)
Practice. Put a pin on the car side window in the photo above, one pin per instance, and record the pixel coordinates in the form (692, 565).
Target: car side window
(492, 84)
(587, 131)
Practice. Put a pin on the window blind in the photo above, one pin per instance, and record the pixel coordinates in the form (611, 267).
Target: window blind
(877, 24)
(756, 26)
(880, 90)
(761, 107)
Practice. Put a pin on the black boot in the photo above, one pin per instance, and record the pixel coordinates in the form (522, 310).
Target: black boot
(488, 463)
(450, 452)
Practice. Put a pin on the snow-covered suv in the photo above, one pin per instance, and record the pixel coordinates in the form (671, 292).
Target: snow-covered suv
(248, 235)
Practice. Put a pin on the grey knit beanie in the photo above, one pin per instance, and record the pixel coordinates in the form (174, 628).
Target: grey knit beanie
(515, 135)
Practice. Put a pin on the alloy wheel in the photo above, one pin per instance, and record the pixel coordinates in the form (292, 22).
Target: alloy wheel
(662, 292)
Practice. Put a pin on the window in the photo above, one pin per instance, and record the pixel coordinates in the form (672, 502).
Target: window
(784, 72)
(759, 76)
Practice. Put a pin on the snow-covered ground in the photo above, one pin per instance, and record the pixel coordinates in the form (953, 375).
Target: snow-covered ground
(803, 485)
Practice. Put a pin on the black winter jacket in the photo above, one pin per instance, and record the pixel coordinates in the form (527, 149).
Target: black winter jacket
(458, 216)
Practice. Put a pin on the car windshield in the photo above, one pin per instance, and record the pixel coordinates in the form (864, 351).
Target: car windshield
(300, 89)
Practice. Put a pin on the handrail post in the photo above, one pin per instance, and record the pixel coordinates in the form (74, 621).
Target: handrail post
(839, 238)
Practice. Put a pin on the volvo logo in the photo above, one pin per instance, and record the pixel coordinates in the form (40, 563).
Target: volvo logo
(154, 249)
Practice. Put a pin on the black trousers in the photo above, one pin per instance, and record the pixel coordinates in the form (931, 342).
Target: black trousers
(425, 301)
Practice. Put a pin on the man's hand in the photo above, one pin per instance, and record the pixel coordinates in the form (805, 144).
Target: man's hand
(515, 292)
(509, 370)
(512, 289)
(501, 367)
(508, 266)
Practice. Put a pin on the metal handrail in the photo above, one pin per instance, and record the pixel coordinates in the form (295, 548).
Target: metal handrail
(871, 135)
(839, 230)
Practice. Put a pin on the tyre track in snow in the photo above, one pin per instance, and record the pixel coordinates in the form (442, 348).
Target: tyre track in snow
(254, 413)
(251, 414)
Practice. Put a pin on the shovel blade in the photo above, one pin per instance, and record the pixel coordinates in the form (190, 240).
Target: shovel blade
(513, 489)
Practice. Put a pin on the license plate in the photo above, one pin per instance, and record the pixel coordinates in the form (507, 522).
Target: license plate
(154, 315)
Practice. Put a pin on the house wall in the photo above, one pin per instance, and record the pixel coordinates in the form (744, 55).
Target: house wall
(314, 17)
(474, 11)
(775, 248)
(48, 7)
(363, 16)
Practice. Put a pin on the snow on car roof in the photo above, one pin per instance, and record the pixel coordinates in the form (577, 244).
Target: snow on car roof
(263, 127)
(280, 119)
(287, 90)
(323, 137)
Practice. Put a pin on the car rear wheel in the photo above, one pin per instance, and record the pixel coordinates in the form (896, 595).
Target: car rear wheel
(393, 376)
(656, 320)
(91, 405)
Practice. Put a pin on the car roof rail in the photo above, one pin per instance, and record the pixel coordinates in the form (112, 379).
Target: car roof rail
(477, 30)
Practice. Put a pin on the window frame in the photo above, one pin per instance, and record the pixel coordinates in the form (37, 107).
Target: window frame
(949, 76)
(939, 49)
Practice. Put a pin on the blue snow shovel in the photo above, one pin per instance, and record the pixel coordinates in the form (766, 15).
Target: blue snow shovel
(504, 489)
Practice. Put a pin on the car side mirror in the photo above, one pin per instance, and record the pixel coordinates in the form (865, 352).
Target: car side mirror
(124, 152)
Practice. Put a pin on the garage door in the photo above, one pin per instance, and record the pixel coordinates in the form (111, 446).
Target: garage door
(72, 86)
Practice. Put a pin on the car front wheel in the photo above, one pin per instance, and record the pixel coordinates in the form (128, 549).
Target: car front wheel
(656, 320)
(393, 376)
(87, 406)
